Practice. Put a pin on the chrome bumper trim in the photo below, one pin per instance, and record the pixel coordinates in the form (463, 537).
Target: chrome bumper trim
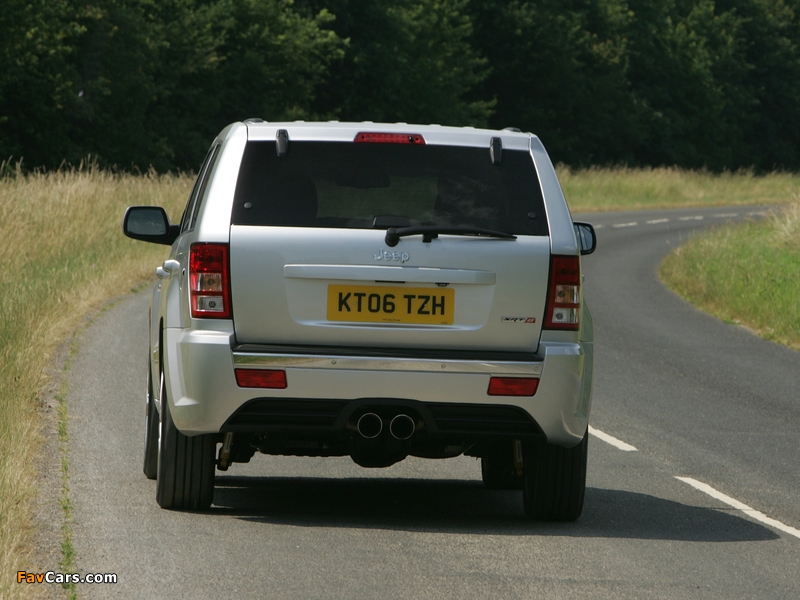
(303, 361)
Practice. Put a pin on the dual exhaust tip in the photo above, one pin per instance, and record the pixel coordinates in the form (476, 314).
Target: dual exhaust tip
(370, 426)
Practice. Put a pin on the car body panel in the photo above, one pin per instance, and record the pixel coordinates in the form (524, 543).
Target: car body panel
(562, 234)
(271, 307)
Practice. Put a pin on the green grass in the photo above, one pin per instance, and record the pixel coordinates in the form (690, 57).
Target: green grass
(622, 188)
(747, 274)
(64, 256)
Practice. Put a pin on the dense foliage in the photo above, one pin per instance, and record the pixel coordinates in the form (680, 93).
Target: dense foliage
(694, 83)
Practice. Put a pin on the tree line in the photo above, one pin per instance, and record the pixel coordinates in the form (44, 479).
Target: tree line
(694, 83)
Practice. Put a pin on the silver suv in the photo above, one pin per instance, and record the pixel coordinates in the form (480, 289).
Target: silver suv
(373, 291)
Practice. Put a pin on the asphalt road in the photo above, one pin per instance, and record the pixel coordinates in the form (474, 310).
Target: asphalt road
(697, 398)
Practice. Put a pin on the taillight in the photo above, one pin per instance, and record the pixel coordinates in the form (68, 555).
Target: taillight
(390, 138)
(512, 386)
(209, 281)
(564, 294)
(261, 378)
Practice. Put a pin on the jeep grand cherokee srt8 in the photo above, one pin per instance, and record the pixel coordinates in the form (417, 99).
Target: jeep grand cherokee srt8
(373, 291)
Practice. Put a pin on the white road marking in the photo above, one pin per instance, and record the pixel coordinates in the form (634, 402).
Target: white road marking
(751, 512)
(758, 213)
(688, 218)
(610, 439)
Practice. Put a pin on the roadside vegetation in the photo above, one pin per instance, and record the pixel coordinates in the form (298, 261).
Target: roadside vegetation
(64, 256)
(746, 274)
(622, 188)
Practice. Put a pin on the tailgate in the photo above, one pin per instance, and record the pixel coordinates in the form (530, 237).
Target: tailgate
(319, 286)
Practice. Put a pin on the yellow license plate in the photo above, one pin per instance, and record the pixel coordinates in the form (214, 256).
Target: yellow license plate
(386, 304)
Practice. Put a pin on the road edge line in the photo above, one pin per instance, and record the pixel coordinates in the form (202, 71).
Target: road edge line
(610, 439)
(732, 502)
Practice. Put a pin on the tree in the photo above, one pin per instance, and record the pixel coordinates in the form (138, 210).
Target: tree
(770, 119)
(143, 82)
(695, 83)
(37, 80)
(162, 78)
(559, 69)
(685, 71)
(406, 60)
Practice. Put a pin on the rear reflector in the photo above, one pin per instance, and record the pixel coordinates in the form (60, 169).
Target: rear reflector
(261, 378)
(512, 386)
(209, 283)
(390, 138)
(564, 294)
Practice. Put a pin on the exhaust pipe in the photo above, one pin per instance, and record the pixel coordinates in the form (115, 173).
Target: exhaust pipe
(402, 427)
(369, 425)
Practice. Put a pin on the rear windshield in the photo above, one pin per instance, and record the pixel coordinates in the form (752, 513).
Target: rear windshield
(373, 185)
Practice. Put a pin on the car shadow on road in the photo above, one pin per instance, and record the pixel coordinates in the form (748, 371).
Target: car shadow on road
(456, 506)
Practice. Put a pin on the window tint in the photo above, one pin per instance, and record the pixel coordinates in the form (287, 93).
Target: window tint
(199, 186)
(341, 184)
(201, 192)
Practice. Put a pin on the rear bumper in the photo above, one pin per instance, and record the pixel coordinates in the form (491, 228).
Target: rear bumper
(336, 381)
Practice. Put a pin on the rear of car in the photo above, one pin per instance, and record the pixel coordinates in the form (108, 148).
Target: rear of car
(376, 291)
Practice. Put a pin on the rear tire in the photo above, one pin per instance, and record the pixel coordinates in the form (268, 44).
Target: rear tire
(150, 467)
(555, 481)
(498, 469)
(186, 465)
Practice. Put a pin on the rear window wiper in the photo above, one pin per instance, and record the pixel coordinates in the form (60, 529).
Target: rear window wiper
(430, 232)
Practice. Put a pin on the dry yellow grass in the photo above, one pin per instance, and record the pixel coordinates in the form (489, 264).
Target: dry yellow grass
(786, 225)
(622, 188)
(63, 256)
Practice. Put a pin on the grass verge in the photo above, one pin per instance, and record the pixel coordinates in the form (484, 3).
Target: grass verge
(745, 274)
(621, 188)
(65, 256)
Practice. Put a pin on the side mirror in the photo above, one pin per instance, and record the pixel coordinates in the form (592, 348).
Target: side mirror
(149, 224)
(587, 240)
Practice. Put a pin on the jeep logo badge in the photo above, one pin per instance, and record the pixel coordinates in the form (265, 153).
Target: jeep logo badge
(386, 255)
